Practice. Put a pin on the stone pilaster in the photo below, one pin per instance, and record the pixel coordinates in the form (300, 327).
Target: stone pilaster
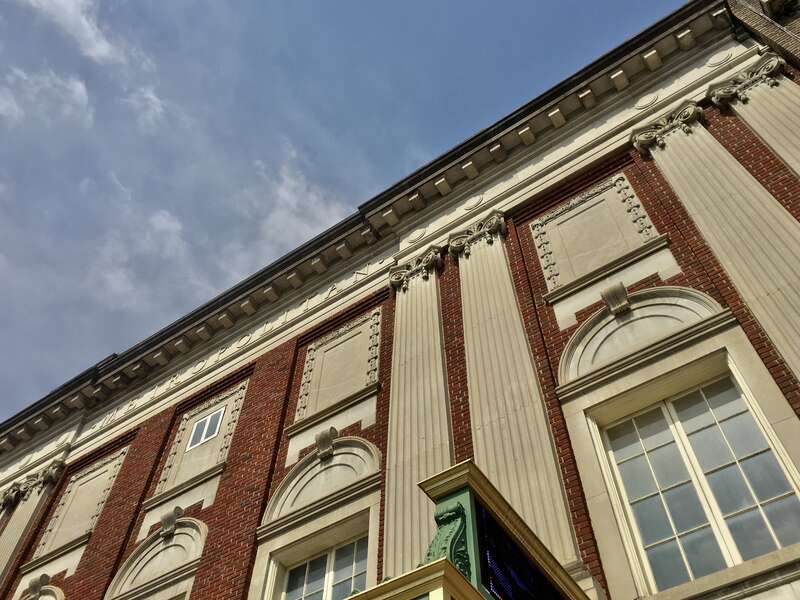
(755, 239)
(419, 443)
(510, 431)
(769, 103)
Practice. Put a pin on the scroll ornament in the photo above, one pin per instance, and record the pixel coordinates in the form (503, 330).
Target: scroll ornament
(654, 134)
(450, 540)
(21, 490)
(765, 71)
(428, 262)
(487, 229)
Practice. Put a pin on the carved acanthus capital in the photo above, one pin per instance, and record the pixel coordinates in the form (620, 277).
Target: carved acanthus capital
(11, 496)
(426, 263)
(764, 71)
(34, 482)
(654, 134)
(487, 229)
(52, 472)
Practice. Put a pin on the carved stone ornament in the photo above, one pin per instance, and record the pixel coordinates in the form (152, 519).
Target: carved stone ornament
(324, 442)
(655, 134)
(426, 263)
(450, 540)
(487, 229)
(764, 71)
(168, 522)
(36, 482)
(616, 299)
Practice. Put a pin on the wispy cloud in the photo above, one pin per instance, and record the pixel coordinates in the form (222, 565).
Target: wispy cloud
(78, 20)
(44, 96)
(151, 110)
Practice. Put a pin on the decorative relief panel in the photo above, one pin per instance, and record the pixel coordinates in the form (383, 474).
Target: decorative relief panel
(80, 504)
(591, 230)
(182, 465)
(340, 364)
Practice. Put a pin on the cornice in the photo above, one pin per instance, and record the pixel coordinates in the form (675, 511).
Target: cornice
(532, 128)
(765, 71)
(655, 133)
(488, 228)
(430, 261)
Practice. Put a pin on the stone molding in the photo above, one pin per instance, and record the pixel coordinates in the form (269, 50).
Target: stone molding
(430, 261)
(238, 392)
(115, 460)
(628, 198)
(374, 319)
(183, 486)
(21, 490)
(655, 133)
(488, 228)
(765, 71)
(39, 588)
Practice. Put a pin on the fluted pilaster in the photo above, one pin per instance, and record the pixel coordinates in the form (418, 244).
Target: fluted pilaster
(755, 239)
(419, 422)
(510, 431)
(769, 103)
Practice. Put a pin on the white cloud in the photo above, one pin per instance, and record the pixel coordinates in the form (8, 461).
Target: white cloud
(44, 96)
(152, 112)
(78, 19)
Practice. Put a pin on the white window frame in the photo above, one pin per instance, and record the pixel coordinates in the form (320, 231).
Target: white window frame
(327, 586)
(727, 545)
(204, 421)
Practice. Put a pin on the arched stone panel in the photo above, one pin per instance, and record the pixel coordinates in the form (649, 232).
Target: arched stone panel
(653, 315)
(348, 461)
(163, 564)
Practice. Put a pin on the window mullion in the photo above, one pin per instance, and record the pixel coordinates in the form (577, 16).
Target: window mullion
(728, 546)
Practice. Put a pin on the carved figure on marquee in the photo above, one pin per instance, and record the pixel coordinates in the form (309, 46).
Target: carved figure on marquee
(488, 228)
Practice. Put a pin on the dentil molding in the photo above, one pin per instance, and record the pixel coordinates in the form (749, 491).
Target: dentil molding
(493, 225)
(655, 133)
(765, 71)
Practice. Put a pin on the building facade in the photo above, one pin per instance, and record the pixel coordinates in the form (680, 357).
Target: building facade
(586, 316)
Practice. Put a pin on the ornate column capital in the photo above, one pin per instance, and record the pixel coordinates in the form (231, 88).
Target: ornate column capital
(423, 265)
(764, 71)
(21, 490)
(654, 134)
(493, 225)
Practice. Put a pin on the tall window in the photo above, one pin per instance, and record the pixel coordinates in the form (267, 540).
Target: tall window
(702, 484)
(205, 429)
(332, 576)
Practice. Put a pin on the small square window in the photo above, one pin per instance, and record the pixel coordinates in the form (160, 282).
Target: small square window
(205, 429)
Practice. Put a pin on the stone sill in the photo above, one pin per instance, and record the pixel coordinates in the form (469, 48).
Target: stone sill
(635, 255)
(177, 490)
(55, 553)
(326, 412)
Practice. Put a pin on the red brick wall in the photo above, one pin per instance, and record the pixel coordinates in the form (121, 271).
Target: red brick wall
(455, 359)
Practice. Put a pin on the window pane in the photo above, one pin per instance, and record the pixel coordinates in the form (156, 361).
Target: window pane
(710, 448)
(751, 535)
(316, 574)
(624, 441)
(360, 582)
(730, 490)
(668, 465)
(743, 434)
(702, 552)
(342, 590)
(316, 596)
(765, 475)
(693, 412)
(197, 433)
(294, 585)
(667, 565)
(652, 520)
(343, 563)
(684, 507)
(361, 556)
(637, 477)
(213, 424)
(784, 516)
(724, 398)
(653, 429)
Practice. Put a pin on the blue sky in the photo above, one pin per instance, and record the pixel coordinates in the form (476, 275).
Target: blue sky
(154, 153)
